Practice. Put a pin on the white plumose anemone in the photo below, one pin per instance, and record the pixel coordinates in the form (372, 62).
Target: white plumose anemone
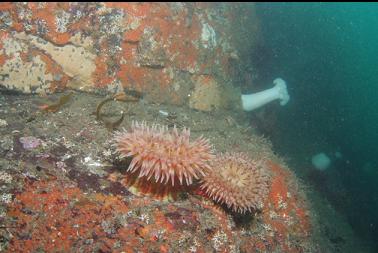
(253, 101)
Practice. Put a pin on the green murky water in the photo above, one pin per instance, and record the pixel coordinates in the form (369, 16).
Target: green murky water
(327, 52)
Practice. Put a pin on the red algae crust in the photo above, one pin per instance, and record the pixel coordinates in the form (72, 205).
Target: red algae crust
(156, 48)
(51, 215)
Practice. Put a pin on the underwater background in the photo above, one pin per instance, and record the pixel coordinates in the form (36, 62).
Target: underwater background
(131, 127)
(328, 52)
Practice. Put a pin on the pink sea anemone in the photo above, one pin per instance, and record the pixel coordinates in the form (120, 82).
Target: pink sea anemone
(163, 154)
(238, 181)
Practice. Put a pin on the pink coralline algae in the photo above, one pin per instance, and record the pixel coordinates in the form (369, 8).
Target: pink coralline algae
(30, 142)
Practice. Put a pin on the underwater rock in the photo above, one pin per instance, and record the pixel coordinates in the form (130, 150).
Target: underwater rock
(70, 193)
(73, 218)
(17, 73)
(76, 62)
(151, 53)
(46, 47)
(209, 95)
(206, 95)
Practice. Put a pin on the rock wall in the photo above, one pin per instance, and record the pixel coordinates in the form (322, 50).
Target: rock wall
(172, 52)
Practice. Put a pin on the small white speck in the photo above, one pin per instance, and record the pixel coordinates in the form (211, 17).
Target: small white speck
(164, 113)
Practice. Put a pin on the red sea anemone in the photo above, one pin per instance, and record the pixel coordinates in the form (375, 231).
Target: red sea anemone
(238, 181)
(163, 154)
